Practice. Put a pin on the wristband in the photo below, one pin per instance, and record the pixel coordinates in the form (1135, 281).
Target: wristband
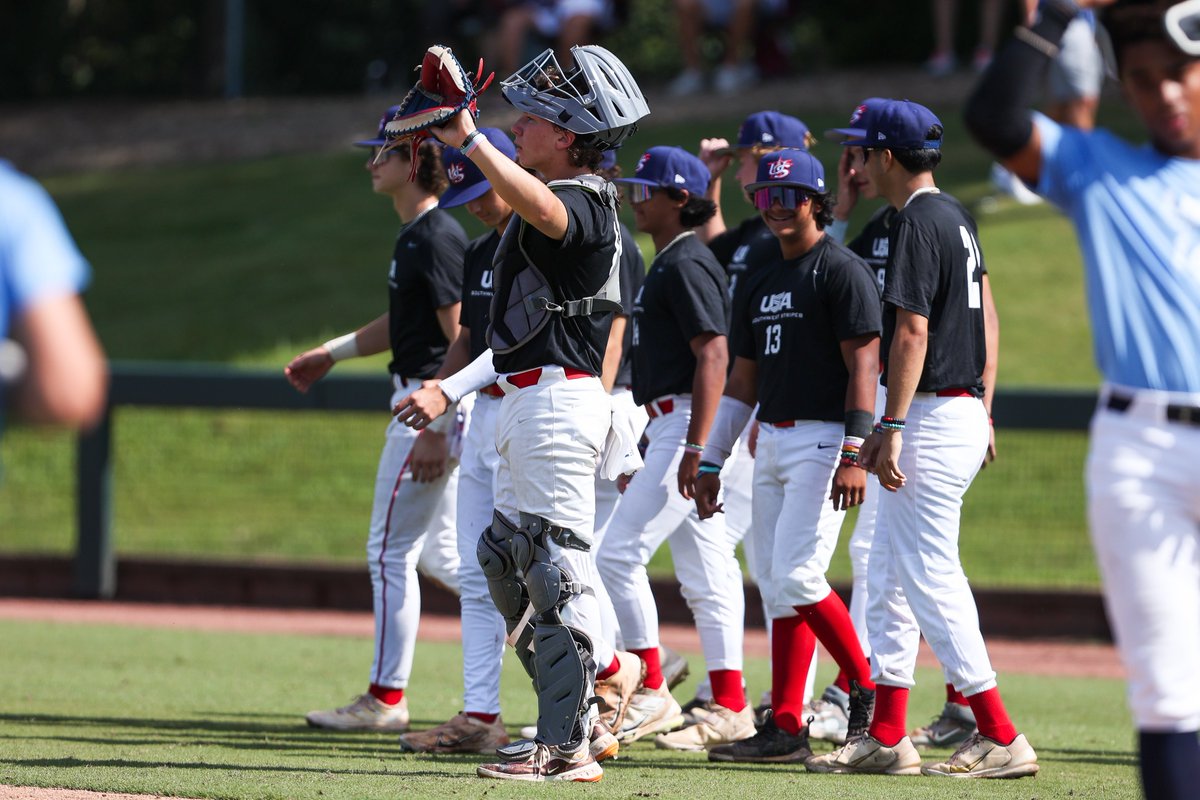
(858, 424)
(343, 347)
(890, 424)
(708, 468)
(469, 144)
(695, 448)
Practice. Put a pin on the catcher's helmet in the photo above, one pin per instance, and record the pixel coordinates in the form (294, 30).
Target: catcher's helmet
(599, 100)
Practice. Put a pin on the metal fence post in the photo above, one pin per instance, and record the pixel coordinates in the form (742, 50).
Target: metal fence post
(95, 561)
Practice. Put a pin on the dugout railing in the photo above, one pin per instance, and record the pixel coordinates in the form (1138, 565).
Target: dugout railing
(162, 385)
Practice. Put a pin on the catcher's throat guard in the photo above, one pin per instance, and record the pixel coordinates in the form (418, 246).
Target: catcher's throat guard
(443, 89)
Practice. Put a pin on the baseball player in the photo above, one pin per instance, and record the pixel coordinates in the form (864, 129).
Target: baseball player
(926, 449)
(478, 728)
(808, 354)
(830, 713)
(740, 249)
(414, 487)
(1135, 210)
(556, 286)
(680, 356)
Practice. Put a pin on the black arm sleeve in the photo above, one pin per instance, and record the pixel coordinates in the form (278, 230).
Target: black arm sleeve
(997, 113)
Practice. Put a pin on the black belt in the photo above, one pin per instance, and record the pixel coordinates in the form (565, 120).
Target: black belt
(1188, 415)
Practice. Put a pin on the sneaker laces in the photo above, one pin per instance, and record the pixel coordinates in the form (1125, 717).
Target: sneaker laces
(862, 704)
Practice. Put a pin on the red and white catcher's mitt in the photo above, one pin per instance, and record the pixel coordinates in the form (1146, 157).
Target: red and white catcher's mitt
(443, 90)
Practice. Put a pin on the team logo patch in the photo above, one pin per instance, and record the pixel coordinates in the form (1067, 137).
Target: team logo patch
(774, 303)
(643, 161)
(456, 173)
(780, 168)
(857, 115)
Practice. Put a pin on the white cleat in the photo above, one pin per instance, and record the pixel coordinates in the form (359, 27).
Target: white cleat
(366, 713)
(868, 756)
(981, 757)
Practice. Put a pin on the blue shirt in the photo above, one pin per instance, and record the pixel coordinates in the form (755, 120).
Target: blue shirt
(1137, 215)
(38, 258)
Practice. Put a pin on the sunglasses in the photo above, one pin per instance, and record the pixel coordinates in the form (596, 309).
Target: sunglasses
(787, 196)
(640, 192)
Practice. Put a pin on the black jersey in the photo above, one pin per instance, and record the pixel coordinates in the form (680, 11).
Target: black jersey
(791, 319)
(871, 244)
(477, 289)
(576, 267)
(744, 249)
(683, 296)
(935, 269)
(633, 272)
(425, 275)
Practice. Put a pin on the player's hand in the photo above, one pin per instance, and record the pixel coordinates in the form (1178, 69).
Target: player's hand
(707, 489)
(885, 459)
(623, 482)
(716, 162)
(307, 368)
(752, 440)
(430, 456)
(689, 467)
(847, 191)
(990, 455)
(422, 406)
(456, 129)
(849, 487)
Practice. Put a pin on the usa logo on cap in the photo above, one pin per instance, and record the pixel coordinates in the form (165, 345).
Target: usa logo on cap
(455, 173)
(858, 114)
(643, 161)
(780, 168)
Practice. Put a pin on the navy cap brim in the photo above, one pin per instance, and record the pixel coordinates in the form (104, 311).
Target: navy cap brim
(371, 143)
(642, 181)
(754, 187)
(457, 196)
(847, 136)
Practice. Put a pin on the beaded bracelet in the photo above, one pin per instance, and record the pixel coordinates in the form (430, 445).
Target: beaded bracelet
(695, 448)
(891, 423)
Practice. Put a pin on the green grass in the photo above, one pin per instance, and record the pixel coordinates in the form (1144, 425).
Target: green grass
(202, 714)
(250, 262)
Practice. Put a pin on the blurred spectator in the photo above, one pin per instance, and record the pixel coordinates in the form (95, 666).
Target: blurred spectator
(564, 23)
(942, 61)
(736, 19)
(53, 369)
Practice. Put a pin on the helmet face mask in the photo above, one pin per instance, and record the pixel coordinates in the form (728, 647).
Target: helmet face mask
(597, 100)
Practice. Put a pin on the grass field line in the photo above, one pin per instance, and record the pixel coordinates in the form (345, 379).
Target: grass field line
(1031, 657)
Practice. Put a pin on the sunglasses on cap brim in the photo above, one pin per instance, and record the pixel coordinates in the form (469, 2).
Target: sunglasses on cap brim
(640, 192)
(1182, 21)
(787, 196)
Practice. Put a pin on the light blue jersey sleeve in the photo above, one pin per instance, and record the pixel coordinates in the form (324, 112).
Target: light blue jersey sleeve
(38, 257)
(1136, 212)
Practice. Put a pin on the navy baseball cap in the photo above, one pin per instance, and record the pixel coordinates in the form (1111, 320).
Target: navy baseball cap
(673, 167)
(379, 141)
(790, 167)
(855, 131)
(769, 129)
(608, 159)
(896, 125)
(466, 180)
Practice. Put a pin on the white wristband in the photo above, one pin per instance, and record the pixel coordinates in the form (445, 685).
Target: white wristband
(476, 375)
(732, 416)
(343, 347)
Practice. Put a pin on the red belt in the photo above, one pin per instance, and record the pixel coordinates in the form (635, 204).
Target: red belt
(955, 392)
(657, 408)
(492, 390)
(787, 423)
(530, 377)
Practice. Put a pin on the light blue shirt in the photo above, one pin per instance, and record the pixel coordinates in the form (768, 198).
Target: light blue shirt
(1137, 215)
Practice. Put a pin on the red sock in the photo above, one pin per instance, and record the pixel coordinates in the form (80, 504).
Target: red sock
(991, 717)
(649, 657)
(792, 648)
(891, 713)
(385, 695)
(830, 621)
(488, 718)
(955, 697)
(610, 670)
(842, 682)
(727, 688)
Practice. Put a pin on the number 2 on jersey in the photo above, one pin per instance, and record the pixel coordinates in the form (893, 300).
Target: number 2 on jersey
(774, 336)
(973, 289)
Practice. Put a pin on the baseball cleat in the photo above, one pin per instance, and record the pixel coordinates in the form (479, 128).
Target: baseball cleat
(829, 716)
(366, 713)
(542, 762)
(461, 734)
(715, 725)
(868, 756)
(616, 691)
(674, 666)
(769, 745)
(981, 757)
(951, 728)
(602, 744)
(650, 711)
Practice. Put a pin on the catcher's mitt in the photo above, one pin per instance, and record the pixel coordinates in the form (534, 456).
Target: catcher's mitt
(443, 90)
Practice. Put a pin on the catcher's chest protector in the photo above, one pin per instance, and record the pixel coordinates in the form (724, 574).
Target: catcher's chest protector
(524, 299)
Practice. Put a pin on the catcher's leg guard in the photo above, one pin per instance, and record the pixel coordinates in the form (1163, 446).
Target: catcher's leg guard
(505, 576)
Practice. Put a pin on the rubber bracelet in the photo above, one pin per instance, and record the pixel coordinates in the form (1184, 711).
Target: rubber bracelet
(708, 469)
(852, 442)
(343, 347)
(470, 143)
(695, 448)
